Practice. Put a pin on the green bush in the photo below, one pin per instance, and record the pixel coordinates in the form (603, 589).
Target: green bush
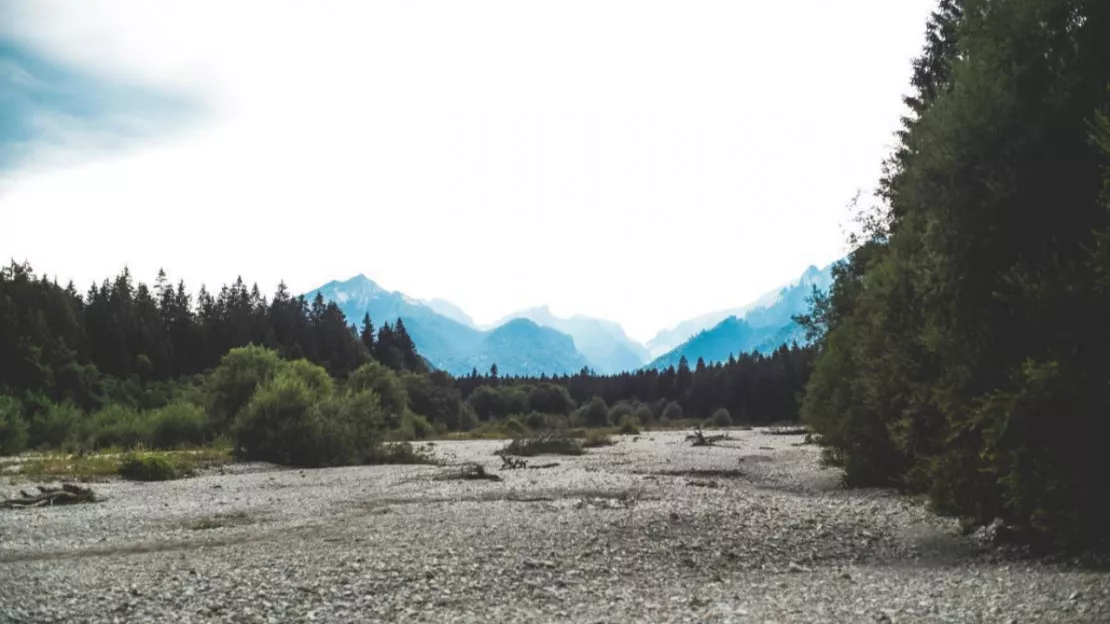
(13, 429)
(628, 425)
(672, 413)
(280, 425)
(118, 425)
(286, 423)
(513, 427)
(547, 443)
(644, 415)
(147, 467)
(178, 424)
(721, 418)
(620, 410)
(387, 385)
(401, 453)
(597, 413)
(535, 421)
(413, 427)
(315, 377)
(232, 384)
(56, 426)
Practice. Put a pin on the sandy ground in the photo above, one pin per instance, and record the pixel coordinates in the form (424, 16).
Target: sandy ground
(648, 530)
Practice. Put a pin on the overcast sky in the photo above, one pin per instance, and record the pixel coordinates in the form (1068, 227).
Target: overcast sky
(639, 161)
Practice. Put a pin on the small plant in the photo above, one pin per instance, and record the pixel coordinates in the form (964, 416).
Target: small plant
(147, 468)
(402, 453)
(547, 443)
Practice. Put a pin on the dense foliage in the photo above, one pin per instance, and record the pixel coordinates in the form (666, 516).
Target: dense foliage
(963, 346)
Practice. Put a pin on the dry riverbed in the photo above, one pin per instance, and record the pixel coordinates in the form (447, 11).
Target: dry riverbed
(647, 530)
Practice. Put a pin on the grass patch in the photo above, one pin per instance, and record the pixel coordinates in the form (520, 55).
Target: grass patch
(105, 464)
(549, 443)
(147, 468)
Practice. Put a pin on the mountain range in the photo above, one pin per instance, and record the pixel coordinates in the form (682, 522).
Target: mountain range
(763, 325)
(535, 341)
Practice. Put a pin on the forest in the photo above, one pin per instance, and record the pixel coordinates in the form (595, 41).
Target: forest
(126, 365)
(963, 347)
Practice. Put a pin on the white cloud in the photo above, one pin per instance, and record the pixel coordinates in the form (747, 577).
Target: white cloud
(645, 162)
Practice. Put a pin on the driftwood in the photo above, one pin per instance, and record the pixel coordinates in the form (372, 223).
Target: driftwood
(512, 463)
(700, 439)
(470, 472)
(787, 430)
(68, 494)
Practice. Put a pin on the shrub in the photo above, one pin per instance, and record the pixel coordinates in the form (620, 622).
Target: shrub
(548, 443)
(536, 421)
(721, 418)
(620, 411)
(549, 398)
(276, 425)
(628, 425)
(118, 425)
(13, 429)
(514, 428)
(55, 426)
(435, 397)
(234, 381)
(401, 453)
(672, 413)
(644, 415)
(147, 468)
(315, 377)
(178, 424)
(286, 423)
(597, 413)
(387, 385)
(414, 427)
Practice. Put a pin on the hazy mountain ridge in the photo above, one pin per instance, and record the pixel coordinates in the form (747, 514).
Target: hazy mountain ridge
(534, 340)
(763, 326)
(603, 343)
(517, 348)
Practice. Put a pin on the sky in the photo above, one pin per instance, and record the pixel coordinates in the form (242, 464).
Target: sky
(640, 161)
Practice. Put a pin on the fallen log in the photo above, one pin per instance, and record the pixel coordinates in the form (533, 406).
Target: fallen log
(787, 430)
(700, 439)
(68, 494)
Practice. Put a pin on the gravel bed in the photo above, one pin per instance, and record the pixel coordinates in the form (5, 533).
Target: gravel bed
(648, 530)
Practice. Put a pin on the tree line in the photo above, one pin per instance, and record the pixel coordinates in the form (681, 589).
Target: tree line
(59, 345)
(752, 388)
(126, 364)
(962, 349)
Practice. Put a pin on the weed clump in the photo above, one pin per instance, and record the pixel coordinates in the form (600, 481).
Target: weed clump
(147, 468)
(546, 443)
